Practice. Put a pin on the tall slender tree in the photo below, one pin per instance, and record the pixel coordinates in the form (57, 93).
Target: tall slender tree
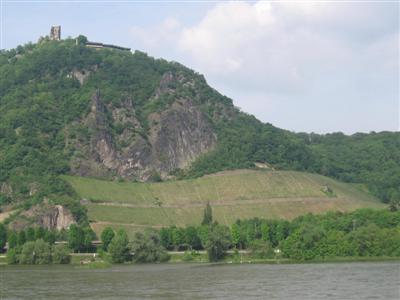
(207, 217)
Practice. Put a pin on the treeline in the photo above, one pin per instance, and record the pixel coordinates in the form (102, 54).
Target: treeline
(38, 245)
(371, 159)
(362, 233)
(143, 248)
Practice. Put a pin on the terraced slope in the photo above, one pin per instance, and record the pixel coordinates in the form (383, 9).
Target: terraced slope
(233, 195)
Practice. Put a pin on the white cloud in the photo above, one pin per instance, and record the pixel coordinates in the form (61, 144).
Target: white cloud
(330, 53)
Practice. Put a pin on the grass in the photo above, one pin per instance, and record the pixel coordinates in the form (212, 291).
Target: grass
(234, 194)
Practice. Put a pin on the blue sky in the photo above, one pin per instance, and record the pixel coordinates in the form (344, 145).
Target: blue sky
(302, 66)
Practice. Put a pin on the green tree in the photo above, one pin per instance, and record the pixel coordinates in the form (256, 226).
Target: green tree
(219, 240)
(12, 256)
(106, 237)
(88, 236)
(30, 234)
(118, 247)
(166, 238)
(39, 233)
(261, 249)
(235, 233)
(178, 236)
(12, 240)
(192, 238)
(27, 256)
(21, 238)
(61, 254)
(147, 248)
(3, 236)
(264, 232)
(42, 252)
(207, 215)
(76, 238)
(50, 237)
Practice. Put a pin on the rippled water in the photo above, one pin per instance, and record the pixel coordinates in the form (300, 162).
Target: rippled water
(193, 281)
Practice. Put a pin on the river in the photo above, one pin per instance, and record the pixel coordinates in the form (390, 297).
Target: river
(344, 281)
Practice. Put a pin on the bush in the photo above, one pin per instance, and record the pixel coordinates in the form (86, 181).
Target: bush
(106, 237)
(27, 256)
(37, 252)
(147, 248)
(3, 236)
(42, 255)
(12, 257)
(219, 240)
(118, 248)
(261, 249)
(61, 254)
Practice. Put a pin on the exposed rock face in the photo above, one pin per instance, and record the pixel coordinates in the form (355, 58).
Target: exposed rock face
(180, 135)
(174, 137)
(47, 216)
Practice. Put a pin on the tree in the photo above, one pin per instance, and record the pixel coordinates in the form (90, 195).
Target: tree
(61, 254)
(3, 236)
(21, 238)
(192, 239)
(76, 238)
(42, 252)
(178, 236)
(12, 256)
(12, 240)
(166, 238)
(207, 216)
(39, 233)
(261, 249)
(81, 40)
(106, 237)
(147, 248)
(30, 234)
(88, 236)
(50, 237)
(264, 232)
(118, 247)
(28, 253)
(219, 240)
(235, 233)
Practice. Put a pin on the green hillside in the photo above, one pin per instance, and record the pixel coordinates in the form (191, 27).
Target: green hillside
(70, 110)
(232, 194)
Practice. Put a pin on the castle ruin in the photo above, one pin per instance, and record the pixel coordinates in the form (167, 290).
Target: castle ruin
(55, 33)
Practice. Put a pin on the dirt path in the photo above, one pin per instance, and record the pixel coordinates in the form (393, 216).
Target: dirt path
(221, 203)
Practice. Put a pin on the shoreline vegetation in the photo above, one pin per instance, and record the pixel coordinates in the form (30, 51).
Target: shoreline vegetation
(178, 258)
(362, 235)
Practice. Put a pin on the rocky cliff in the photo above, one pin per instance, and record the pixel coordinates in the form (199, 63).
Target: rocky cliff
(120, 145)
(45, 215)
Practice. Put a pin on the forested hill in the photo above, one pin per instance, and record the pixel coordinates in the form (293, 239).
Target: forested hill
(69, 109)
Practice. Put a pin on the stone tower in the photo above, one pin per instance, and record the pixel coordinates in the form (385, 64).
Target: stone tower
(55, 33)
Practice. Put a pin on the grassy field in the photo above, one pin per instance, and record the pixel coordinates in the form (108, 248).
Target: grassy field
(233, 195)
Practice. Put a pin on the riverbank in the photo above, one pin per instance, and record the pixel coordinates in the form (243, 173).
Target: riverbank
(94, 261)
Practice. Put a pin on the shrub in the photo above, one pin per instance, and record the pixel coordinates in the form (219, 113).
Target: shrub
(219, 241)
(147, 248)
(28, 253)
(61, 254)
(261, 249)
(42, 253)
(118, 248)
(12, 256)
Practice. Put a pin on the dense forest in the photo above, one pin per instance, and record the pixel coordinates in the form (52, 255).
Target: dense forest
(39, 101)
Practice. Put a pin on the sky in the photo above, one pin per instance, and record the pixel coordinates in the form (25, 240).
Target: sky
(305, 66)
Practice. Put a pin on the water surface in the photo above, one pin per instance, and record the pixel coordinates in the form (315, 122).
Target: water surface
(380, 280)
